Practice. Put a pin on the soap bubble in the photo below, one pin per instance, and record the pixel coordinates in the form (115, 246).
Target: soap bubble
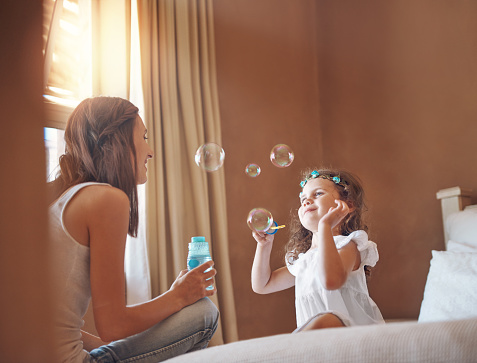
(210, 156)
(252, 170)
(281, 156)
(259, 219)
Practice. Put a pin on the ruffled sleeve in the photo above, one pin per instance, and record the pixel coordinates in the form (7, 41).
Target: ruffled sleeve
(367, 249)
(292, 264)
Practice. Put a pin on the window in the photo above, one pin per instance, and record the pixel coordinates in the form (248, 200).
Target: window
(67, 51)
(55, 147)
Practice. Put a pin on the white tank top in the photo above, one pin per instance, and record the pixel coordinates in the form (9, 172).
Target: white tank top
(70, 269)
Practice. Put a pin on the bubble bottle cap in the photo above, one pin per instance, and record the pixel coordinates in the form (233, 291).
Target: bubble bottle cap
(197, 239)
(198, 245)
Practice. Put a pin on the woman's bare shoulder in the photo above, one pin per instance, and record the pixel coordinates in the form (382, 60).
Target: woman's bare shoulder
(105, 197)
(108, 211)
(103, 191)
(94, 207)
(100, 198)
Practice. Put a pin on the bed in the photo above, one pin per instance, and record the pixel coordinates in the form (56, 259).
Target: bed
(446, 330)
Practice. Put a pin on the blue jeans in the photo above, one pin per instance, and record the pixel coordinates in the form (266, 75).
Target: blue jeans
(185, 331)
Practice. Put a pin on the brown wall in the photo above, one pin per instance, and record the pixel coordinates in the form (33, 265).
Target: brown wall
(25, 298)
(387, 90)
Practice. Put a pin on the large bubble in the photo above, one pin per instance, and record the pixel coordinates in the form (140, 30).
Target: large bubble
(259, 219)
(252, 170)
(210, 156)
(281, 156)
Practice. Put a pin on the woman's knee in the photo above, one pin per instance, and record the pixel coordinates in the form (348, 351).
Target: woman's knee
(205, 313)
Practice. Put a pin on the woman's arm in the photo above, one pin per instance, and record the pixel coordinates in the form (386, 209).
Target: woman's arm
(107, 221)
(264, 281)
(91, 341)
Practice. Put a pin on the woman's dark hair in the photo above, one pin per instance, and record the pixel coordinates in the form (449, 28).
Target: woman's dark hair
(100, 148)
(350, 191)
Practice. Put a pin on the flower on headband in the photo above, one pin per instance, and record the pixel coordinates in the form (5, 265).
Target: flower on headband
(314, 174)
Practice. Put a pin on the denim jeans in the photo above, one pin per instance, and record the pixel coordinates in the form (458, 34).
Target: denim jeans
(185, 331)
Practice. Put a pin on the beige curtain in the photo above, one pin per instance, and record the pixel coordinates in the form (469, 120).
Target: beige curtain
(181, 113)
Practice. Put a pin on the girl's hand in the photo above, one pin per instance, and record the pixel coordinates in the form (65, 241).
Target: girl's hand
(335, 215)
(262, 238)
(190, 286)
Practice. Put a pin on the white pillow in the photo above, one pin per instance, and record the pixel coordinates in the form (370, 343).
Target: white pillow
(454, 246)
(462, 226)
(451, 287)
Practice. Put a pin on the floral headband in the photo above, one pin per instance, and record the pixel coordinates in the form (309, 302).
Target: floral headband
(314, 174)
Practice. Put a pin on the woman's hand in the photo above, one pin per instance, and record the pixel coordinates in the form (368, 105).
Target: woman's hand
(262, 238)
(190, 286)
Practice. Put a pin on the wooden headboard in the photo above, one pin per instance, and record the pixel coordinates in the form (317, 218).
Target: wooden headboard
(453, 200)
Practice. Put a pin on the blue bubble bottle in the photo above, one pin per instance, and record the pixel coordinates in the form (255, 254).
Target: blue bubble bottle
(198, 254)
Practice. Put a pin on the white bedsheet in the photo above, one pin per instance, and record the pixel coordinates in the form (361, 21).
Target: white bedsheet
(450, 341)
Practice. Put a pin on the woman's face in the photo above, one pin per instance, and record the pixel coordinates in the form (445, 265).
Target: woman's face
(143, 151)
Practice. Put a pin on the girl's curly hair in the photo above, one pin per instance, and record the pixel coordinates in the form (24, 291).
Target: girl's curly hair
(350, 191)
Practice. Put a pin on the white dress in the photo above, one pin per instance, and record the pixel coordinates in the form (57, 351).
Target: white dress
(351, 303)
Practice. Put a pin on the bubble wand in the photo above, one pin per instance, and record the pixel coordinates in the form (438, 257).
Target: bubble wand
(261, 220)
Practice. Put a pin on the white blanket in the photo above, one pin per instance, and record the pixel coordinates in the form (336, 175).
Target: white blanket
(449, 341)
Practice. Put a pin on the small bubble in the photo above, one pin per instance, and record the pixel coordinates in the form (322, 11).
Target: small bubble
(252, 170)
(210, 156)
(281, 156)
(259, 219)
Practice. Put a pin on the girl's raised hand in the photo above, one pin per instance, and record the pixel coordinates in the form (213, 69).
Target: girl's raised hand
(336, 214)
(263, 238)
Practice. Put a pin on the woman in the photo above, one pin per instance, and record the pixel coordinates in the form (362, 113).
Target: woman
(94, 208)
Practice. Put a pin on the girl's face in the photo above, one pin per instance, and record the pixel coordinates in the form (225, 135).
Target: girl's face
(317, 197)
(143, 151)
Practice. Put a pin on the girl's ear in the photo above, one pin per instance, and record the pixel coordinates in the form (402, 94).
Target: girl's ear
(351, 206)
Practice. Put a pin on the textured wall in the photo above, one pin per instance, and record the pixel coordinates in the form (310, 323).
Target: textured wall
(385, 89)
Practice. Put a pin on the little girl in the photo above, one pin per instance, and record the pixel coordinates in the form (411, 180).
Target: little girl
(327, 256)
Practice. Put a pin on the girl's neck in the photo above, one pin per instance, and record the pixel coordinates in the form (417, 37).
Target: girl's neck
(314, 242)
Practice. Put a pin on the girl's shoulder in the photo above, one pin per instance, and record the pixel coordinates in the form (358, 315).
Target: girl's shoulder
(368, 249)
(359, 237)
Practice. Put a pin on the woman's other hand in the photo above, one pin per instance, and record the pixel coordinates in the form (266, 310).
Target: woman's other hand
(190, 286)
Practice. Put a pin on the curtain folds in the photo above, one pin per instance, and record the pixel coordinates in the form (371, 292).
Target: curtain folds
(181, 113)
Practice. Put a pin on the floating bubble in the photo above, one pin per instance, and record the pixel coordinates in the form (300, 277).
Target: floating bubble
(252, 170)
(259, 219)
(210, 156)
(281, 156)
